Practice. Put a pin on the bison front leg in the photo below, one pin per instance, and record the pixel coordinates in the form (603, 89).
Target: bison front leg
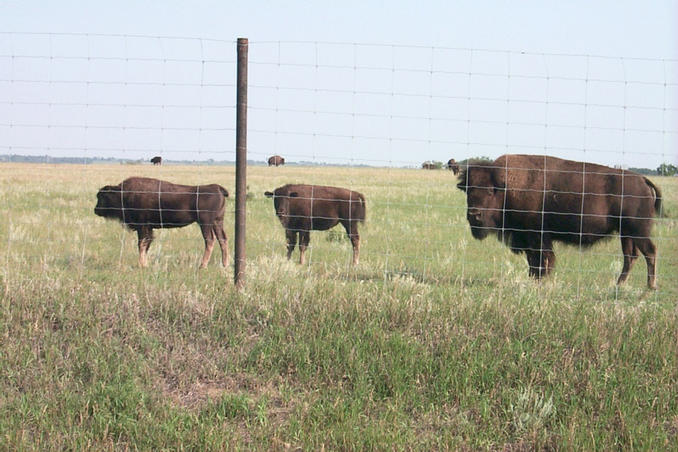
(291, 242)
(304, 239)
(541, 262)
(208, 235)
(533, 263)
(540, 256)
(145, 235)
(547, 256)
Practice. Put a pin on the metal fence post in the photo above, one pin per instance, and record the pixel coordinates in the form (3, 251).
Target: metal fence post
(241, 164)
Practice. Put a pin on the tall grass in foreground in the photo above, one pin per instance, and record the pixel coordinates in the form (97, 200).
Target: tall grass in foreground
(435, 341)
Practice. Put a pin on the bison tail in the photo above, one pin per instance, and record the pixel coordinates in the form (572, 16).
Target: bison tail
(657, 197)
(361, 210)
(223, 191)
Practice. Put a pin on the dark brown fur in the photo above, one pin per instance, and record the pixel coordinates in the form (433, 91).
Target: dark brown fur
(305, 208)
(157, 160)
(529, 208)
(276, 160)
(143, 204)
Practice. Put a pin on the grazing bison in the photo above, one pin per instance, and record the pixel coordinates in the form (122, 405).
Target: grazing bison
(305, 208)
(530, 201)
(276, 160)
(453, 166)
(157, 160)
(143, 204)
(428, 165)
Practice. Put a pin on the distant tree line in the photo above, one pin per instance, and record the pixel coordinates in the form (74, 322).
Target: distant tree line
(667, 169)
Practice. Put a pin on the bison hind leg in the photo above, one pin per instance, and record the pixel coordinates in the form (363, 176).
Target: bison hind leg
(145, 236)
(208, 235)
(649, 250)
(630, 252)
(223, 242)
(352, 232)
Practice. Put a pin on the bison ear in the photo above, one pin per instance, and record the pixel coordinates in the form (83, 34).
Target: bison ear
(293, 194)
(268, 194)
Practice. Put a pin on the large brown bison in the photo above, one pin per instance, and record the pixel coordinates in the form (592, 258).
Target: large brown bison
(453, 166)
(157, 160)
(276, 160)
(305, 208)
(143, 204)
(530, 201)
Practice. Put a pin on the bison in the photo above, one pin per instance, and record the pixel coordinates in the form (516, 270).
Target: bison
(453, 166)
(428, 165)
(276, 160)
(157, 160)
(530, 201)
(143, 204)
(305, 208)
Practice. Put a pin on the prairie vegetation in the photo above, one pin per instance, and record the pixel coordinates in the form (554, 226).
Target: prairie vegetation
(435, 341)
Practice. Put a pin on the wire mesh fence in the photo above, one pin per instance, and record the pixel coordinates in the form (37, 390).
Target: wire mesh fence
(358, 116)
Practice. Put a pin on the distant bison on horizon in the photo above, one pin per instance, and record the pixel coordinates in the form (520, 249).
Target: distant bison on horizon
(276, 160)
(305, 208)
(453, 166)
(143, 204)
(530, 201)
(428, 165)
(157, 160)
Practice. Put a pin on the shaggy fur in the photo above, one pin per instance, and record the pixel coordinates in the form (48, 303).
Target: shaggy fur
(530, 201)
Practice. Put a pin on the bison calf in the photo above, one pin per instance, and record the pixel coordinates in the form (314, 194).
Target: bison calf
(530, 201)
(305, 208)
(143, 204)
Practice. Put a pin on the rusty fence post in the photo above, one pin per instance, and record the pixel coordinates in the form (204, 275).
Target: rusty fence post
(241, 164)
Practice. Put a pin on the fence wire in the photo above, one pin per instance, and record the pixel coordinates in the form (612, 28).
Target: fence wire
(361, 116)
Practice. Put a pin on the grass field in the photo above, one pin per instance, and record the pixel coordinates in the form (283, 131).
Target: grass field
(435, 341)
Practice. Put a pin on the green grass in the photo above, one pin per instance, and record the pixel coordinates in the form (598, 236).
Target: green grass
(435, 341)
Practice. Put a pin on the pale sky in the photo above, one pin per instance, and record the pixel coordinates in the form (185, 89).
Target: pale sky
(383, 83)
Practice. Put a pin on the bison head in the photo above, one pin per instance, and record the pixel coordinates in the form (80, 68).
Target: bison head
(109, 202)
(484, 198)
(281, 202)
(453, 166)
